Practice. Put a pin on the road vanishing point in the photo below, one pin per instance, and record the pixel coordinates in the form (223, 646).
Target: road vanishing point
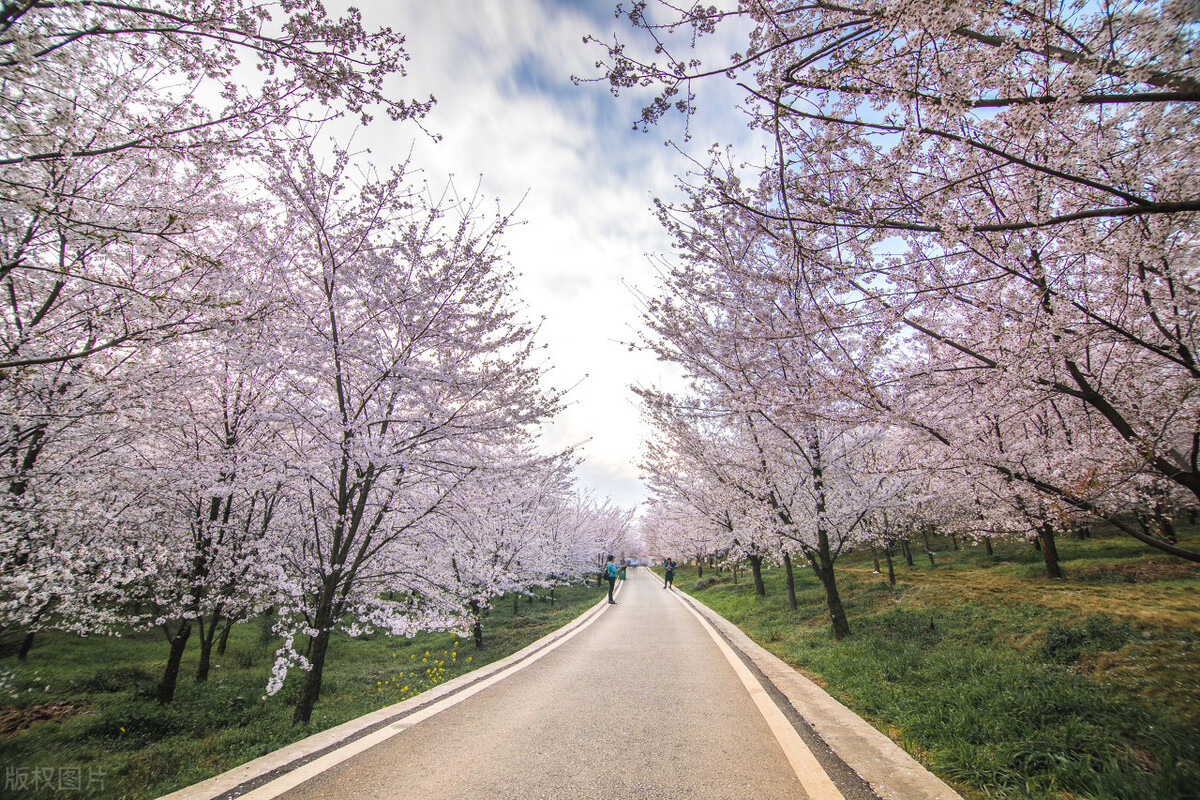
(654, 697)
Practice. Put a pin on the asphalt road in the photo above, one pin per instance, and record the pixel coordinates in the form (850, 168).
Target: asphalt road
(640, 704)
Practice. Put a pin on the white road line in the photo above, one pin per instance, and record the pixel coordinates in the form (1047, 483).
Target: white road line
(817, 784)
(315, 767)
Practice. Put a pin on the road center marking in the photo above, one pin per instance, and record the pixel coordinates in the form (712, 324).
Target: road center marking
(817, 784)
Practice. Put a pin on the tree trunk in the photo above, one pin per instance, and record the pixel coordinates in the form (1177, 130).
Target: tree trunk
(1049, 551)
(318, 648)
(310, 690)
(26, 645)
(224, 640)
(887, 554)
(27, 640)
(875, 558)
(907, 551)
(208, 635)
(735, 579)
(699, 568)
(928, 549)
(822, 560)
(552, 599)
(954, 540)
(477, 628)
(760, 588)
(987, 545)
(166, 687)
(822, 565)
(516, 604)
(790, 580)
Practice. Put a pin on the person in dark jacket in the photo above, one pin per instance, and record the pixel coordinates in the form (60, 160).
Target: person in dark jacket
(610, 572)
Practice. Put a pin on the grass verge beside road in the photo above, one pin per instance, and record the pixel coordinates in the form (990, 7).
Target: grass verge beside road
(80, 712)
(1002, 682)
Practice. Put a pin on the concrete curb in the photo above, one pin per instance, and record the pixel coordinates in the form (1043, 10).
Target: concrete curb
(891, 772)
(297, 754)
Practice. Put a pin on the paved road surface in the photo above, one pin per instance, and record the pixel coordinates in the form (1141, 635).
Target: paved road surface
(640, 704)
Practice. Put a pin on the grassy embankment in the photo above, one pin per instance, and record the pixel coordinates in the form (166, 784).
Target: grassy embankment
(84, 707)
(1004, 683)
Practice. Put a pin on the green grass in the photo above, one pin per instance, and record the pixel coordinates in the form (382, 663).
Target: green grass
(1004, 683)
(109, 728)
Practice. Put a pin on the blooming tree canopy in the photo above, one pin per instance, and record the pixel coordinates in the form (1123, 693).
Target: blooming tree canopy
(997, 199)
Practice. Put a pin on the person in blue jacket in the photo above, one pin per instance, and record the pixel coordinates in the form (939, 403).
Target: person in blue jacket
(610, 572)
(669, 569)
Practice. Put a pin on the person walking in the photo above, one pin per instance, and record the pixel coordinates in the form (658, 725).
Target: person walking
(669, 571)
(610, 572)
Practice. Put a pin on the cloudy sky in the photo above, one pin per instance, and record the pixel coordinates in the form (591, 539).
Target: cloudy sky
(513, 122)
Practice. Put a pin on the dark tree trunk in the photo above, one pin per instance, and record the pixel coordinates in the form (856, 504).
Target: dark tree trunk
(26, 646)
(735, 571)
(27, 639)
(318, 648)
(987, 545)
(875, 558)
(1049, 551)
(907, 551)
(760, 588)
(166, 687)
(954, 541)
(887, 554)
(310, 690)
(699, 568)
(1037, 543)
(224, 640)
(552, 595)
(208, 635)
(928, 549)
(477, 628)
(516, 604)
(822, 565)
(822, 560)
(789, 580)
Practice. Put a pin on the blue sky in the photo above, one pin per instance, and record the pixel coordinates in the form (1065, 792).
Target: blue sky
(512, 120)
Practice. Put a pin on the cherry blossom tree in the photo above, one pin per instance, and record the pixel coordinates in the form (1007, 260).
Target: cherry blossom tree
(1005, 190)
(501, 531)
(211, 459)
(766, 357)
(122, 127)
(61, 413)
(409, 359)
(674, 529)
(778, 489)
(600, 528)
(115, 115)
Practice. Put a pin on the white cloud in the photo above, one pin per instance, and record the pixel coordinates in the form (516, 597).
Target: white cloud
(511, 120)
